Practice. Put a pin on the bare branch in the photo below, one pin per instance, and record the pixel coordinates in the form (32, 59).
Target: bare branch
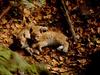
(5, 11)
(68, 20)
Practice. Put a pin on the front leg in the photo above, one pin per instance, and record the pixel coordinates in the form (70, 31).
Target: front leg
(40, 45)
(23, 42)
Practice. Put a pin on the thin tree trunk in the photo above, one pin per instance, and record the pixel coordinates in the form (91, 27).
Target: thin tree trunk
(68, 19)
(5, 11)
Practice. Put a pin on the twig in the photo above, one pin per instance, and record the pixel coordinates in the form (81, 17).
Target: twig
(68, 20)
(5, 11)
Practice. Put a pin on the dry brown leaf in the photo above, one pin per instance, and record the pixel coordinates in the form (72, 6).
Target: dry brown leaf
(47, 58)
(82, 61)
(98, 41)
(55, 69)
(78, 45)
(61, 58)
(62, 70)
(98, 30)
(4, 21)
(54, 62)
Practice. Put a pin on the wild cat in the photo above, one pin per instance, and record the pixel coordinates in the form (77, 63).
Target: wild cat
(25, 34)
(50, 38)
(22, 36)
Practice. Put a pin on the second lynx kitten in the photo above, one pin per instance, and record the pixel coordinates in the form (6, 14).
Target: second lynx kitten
(52, 38)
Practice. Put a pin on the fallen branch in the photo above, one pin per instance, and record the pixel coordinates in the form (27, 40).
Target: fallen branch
(5, 11)
(68, 19)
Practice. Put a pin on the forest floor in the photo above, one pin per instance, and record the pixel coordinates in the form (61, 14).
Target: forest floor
(81, 54)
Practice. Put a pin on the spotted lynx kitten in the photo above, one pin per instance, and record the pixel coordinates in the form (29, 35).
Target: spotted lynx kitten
(25, 34)
(52, 38)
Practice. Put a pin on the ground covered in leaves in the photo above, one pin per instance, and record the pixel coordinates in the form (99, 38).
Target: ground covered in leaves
(85, 16)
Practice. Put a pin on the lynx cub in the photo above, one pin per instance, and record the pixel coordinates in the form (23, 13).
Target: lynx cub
(25, 34)
(52, 38)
